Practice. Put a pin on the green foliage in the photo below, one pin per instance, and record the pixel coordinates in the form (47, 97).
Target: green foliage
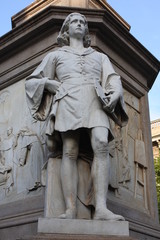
(157, 172)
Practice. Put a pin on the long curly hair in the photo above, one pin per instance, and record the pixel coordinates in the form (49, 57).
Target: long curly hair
(63, 37)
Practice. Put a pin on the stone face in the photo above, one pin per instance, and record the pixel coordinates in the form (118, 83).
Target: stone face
(94, 227)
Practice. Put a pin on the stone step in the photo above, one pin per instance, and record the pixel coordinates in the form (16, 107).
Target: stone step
(74, 237)
(85, 227)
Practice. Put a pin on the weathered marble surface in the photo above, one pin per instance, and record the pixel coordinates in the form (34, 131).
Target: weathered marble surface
(21, 51)
(124, 139)
(22, 149)
(94, 227)
(62, 89)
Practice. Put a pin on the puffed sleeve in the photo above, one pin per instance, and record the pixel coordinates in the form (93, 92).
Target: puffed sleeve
(110, 79)
(38, 99)
(111, 82)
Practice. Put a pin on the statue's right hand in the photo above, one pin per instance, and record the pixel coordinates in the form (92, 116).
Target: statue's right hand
(52, 86)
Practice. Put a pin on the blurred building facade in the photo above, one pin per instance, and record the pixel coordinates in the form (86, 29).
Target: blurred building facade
(155, 130)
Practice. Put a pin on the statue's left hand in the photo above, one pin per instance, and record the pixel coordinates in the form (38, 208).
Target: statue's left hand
(112, 98)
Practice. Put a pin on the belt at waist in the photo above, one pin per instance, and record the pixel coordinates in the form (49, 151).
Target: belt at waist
(79, 81)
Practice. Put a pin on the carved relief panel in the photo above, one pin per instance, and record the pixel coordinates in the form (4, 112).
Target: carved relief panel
(128, 160)
(23, 151)
(22, 146)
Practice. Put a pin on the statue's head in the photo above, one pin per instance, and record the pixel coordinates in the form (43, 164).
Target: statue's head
(63, 37)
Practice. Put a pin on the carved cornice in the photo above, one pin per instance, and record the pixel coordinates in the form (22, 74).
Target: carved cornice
(39, 5)
(101, 22)
(21, 212)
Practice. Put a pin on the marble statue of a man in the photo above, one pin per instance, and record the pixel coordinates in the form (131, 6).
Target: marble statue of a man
(62, 89)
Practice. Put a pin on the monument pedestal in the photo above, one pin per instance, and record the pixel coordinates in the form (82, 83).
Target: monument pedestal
(68, 229)
(75, 237)
(36, 29)
(79, 227)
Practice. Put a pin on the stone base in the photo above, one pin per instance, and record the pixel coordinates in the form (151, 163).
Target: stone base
(86, 227)
(75, 237)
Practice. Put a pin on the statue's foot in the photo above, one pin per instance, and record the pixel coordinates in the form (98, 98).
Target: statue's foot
(69, 214)
(105, 214)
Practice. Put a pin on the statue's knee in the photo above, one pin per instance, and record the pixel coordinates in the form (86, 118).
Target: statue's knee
(70, 154)
(51, 144)
(70, 149)
(101, 146)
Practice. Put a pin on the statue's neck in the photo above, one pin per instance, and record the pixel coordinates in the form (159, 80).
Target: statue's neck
(77, 44)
